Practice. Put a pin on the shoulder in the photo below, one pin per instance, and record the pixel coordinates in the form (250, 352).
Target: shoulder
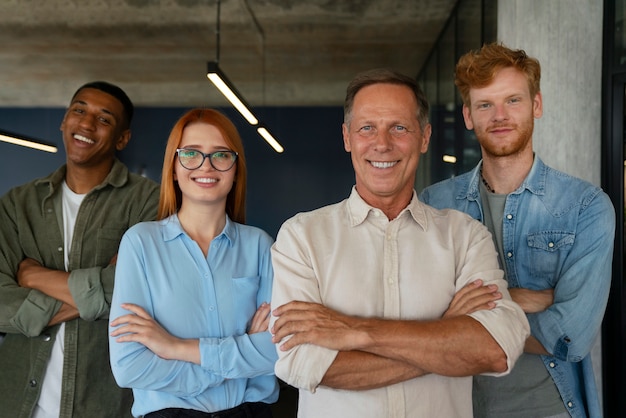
(34, 189)
(249, 232)
(137, 182)
(452, 219)
(315, 217)
(148, 228)
(564, 189)
(442, 193)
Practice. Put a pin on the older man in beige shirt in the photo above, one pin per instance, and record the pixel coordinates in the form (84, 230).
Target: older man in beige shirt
(384, 306)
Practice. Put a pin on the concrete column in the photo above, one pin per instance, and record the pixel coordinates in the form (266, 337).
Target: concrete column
(566, 37)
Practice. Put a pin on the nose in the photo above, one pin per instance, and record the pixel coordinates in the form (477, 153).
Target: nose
(500, 113)
(383, 141)
(88, 121)
(206, 164)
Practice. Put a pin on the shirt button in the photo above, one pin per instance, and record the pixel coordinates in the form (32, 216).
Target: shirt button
(552, 364)
(509, 216)
(49, 210)
(60, 249)
(32, 383)
(570, 404)
(509, 254)
(551, 244)
(211, 308)
(46, 337)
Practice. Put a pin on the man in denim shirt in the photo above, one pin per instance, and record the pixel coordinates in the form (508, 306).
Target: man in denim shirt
(554, 234)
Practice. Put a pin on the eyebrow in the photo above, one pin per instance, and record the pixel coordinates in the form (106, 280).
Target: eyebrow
(103, 110)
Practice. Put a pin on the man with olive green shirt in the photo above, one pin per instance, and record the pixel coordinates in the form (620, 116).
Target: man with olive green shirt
(59, 237)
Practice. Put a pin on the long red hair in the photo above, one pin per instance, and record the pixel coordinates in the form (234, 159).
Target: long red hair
(171, 196)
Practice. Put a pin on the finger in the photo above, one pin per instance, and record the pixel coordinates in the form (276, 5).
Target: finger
(124, 319)
(295, 306)
(136, 309)
(260, 320)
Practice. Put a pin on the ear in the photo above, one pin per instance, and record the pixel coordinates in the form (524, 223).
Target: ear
(467, 118)
(428, 130)
(538, 105)
(122, 141)
(345, 130)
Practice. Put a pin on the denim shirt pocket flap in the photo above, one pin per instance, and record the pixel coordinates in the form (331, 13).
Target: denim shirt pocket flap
(550, 240)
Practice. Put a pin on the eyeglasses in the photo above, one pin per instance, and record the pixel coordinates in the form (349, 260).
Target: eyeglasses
(193, 159)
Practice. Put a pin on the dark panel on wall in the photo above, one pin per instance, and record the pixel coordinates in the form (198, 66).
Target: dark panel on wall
(313, 171)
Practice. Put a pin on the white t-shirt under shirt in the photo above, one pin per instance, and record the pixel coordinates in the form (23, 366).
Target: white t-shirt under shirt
(49, 403)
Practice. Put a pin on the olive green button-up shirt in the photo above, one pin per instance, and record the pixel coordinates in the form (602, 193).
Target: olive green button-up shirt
(31, 227)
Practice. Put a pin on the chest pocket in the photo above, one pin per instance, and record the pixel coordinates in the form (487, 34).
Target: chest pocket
(244, 292)
(547, 251)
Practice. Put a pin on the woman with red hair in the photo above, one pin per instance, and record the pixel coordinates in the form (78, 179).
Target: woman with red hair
(191, 297)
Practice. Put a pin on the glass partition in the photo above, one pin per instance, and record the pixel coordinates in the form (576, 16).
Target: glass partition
(453, 149)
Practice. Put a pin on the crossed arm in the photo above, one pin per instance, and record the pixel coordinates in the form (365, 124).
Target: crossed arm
(375, 352)
(32, 275)
(140, 327)
(533, 301)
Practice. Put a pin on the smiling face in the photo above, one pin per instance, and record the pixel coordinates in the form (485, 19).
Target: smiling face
(385, 140)
(204, 185)
(502, 114)
(93, 129)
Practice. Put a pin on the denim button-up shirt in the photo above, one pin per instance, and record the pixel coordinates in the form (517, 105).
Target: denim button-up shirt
(557, 233)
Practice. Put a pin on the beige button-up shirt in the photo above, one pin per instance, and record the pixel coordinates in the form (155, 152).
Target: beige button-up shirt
(351, 258)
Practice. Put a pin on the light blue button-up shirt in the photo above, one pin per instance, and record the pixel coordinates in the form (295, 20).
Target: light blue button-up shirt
(557, 233)
(161, 269)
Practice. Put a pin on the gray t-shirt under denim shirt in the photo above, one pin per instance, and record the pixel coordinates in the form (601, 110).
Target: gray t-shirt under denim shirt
(528, 391)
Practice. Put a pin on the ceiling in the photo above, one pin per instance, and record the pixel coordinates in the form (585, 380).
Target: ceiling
(276, 52)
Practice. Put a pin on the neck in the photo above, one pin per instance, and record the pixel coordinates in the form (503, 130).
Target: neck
(82, 180)
(202, 224)
(505, 175)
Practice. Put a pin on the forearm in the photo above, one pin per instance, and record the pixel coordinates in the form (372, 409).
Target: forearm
(458, 346)
(533, 346)
(65, 313)
(356, 370)
(53, 283)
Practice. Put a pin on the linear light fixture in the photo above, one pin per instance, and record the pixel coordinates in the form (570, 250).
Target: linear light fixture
(262, 130)
(26, 142)
(224, 85)
(227, 88)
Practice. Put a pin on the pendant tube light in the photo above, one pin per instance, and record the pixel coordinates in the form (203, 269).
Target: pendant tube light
(227, 88)
(269, 138)
(229, 91)
(16, 139)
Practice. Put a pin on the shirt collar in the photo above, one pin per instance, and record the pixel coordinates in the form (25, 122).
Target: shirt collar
(117, 177)
(358, 209)
(534, 182)
(172, 229)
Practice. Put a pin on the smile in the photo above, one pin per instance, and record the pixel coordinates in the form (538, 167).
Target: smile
(205, 180)
(84, 139)
(383, 164)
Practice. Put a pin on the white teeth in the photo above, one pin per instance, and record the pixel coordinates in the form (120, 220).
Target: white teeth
(83, 139)
(205, 180)
(383, 164)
